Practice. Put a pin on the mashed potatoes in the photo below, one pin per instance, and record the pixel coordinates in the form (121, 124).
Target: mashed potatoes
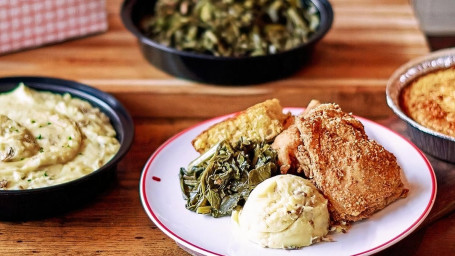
(48, 139)
(284, 211)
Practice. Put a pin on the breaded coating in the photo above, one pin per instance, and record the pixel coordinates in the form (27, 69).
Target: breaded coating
(292, 157)
(357, 175)
(286, 145)
(261, 122)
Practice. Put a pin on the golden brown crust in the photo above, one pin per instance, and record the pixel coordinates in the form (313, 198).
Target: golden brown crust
(286, 145)
(291, 157)
(430, 101)
(261, 122)
(357, 175)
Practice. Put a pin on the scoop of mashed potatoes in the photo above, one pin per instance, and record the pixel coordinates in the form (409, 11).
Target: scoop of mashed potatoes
(284, 211)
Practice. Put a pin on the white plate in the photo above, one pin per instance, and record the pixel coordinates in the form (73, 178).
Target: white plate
(162, 200)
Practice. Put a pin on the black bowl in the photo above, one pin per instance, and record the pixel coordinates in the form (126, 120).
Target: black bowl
(47, 201)
(222, 70)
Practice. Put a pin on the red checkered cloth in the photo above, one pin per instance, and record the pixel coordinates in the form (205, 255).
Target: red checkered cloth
(32, 23)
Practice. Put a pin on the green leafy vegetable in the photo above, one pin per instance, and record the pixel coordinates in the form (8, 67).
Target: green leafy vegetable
(222, 178)
(232, 28)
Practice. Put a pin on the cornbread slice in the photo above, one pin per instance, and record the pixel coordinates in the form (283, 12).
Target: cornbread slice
(261, 122)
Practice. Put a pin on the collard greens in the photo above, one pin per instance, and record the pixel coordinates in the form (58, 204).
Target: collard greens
(222, 178)
(232, 28)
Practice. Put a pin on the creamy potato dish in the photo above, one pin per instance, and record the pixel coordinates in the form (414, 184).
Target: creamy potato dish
(284, 211)
(48, 139)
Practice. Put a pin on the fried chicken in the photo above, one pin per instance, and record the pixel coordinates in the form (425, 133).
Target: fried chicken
(286, 144)
(292, 157)
(357, 175)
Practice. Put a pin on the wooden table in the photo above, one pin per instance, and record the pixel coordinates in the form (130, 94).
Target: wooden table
(368, 41)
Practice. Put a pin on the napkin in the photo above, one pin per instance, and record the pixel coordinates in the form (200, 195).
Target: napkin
(32, 23)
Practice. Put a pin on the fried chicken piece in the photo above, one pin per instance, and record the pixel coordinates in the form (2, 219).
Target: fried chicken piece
(357, 175)
(292, 158)
(286, 145)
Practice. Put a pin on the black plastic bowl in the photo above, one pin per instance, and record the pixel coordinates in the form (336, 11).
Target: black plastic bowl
(222, 70)
(48, 201)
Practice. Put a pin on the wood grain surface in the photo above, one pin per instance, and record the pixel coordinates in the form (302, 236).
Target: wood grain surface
(369, 39)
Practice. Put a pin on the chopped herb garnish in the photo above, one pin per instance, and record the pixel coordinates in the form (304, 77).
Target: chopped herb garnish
(33, 121)
(41, 150)
(45, 174)
(29, 180)
(49, 123)
(39, 137)
(69, 138)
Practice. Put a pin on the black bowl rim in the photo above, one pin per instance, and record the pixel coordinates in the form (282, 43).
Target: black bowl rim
(324, 7)
(414, 63)
(96, 97)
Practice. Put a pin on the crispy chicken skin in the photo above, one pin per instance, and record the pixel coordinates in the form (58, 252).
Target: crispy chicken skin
(356, 174)
(292, 157)
(286, 144)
